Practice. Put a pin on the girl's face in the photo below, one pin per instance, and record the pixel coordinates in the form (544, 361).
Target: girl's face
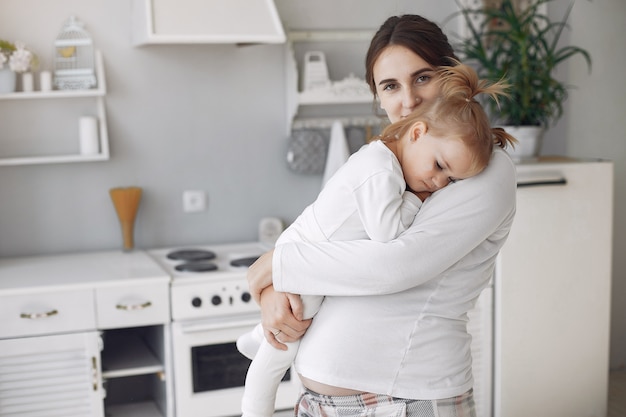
(403, 81)
(430, 163)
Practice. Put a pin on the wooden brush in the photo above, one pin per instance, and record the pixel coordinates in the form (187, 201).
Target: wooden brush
(126, 202)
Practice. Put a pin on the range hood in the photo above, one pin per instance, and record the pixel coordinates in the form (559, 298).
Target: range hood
(206, 21)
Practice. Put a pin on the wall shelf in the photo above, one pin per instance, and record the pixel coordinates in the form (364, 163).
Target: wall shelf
(97, 94)
(349, 91)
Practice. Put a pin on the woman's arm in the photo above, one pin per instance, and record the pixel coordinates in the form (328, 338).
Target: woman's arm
(451, 224)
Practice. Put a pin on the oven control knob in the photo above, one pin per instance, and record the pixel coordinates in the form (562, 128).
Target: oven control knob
(245, 297)
(196, 302)
(216, 300)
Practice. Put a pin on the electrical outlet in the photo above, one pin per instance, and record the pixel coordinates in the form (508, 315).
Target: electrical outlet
(194, 201)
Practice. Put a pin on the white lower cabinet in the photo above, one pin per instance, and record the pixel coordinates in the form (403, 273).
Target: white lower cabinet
(136, 349)
(51, 376)
(552, 293)
(135, 371)
(85, 335)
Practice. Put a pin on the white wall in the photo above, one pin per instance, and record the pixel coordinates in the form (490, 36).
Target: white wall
(212, 117)
(594, 126)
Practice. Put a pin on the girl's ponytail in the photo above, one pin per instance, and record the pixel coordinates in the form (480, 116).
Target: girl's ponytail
(460, 86)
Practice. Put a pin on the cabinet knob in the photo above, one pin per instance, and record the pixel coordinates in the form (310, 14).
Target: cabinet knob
(246, 297)
(216, 300)
(196, 302)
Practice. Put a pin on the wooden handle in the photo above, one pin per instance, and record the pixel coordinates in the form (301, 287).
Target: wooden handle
(126, 201)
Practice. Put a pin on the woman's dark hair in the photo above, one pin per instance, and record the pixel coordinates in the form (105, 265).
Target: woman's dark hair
(414, 32)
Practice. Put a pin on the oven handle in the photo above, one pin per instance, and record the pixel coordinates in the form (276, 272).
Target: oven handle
(228, 324)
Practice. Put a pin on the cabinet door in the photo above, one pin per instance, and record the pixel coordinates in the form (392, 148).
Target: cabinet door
(51, 376)
(552, 293)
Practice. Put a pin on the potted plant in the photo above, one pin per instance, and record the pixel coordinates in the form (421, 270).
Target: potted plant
(521, 44)
(14, 58)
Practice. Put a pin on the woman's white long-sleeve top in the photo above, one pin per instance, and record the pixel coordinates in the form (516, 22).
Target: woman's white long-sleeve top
(394, 318)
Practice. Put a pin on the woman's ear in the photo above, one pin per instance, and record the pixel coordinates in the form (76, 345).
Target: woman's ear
(418, 129)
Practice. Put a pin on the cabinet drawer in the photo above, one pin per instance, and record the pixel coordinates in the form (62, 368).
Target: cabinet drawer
(46, 313)
(140, 305)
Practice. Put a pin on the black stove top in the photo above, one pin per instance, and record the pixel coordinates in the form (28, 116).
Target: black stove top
(199, 260)
(191, 255)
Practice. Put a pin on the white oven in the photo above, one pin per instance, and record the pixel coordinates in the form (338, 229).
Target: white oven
(210, 372)
(211, 308)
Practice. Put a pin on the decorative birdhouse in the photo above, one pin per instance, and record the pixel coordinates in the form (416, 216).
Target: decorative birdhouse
(74, 66)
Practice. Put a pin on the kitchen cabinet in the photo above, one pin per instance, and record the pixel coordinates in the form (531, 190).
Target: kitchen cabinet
(136, 372)
(552, 293)
(54, 97)
(106, 311)
(205, 21)
(136, 354)
(47, 313)
(56, 375)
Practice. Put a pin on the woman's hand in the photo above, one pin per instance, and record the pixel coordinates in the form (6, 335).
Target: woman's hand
(281, 320)
(281, 312)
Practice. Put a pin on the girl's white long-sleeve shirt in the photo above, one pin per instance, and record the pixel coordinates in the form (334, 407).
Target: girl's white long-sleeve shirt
(365, 198)
(394, 317)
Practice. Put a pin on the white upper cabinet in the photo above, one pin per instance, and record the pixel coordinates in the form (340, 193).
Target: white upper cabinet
(206, 21)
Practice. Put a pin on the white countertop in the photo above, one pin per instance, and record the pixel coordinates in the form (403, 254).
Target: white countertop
(29, 274)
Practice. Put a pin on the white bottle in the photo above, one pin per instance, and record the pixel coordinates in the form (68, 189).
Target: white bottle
(88, 134)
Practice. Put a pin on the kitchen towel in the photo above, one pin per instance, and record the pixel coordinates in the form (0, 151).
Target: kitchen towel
(338, 151)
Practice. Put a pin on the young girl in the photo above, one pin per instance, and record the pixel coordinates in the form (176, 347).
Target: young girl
(375, 195)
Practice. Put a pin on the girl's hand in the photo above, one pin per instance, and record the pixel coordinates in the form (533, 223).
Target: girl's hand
(260, 275)
(280, 321)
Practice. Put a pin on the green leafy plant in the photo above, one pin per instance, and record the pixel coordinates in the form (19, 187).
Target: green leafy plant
(522, 46)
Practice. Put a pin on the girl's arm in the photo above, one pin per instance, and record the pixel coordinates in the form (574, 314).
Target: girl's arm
(451, 224)
(385, 209)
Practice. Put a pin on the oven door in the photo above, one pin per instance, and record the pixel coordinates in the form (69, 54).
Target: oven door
(210, 372)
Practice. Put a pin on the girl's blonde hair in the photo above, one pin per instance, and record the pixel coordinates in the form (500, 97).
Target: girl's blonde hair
(456, 114)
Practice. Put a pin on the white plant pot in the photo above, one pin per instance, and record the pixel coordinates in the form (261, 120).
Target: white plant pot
(7, 81)
(529, 143)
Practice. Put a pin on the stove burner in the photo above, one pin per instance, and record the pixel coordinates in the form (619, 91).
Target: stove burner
(191, 255)
(244, 261)
(196, 267)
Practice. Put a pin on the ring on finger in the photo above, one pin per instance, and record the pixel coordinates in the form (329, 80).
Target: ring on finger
(277, 333)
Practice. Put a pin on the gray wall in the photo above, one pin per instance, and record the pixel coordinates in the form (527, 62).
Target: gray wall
(213, 117)
(205, 117)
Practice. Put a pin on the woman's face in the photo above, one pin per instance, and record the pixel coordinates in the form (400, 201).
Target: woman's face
(403, 81)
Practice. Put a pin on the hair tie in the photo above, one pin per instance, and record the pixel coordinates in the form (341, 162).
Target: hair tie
(467, 99)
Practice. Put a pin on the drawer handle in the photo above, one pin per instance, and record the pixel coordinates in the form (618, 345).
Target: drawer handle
(94, 373)
(35, 316)
(129, 307)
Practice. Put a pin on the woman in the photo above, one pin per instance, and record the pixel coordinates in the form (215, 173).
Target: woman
(390, 338)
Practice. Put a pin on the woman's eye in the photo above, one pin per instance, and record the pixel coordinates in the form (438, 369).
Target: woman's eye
(389, 87)
(422, 79)
(439, 167)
